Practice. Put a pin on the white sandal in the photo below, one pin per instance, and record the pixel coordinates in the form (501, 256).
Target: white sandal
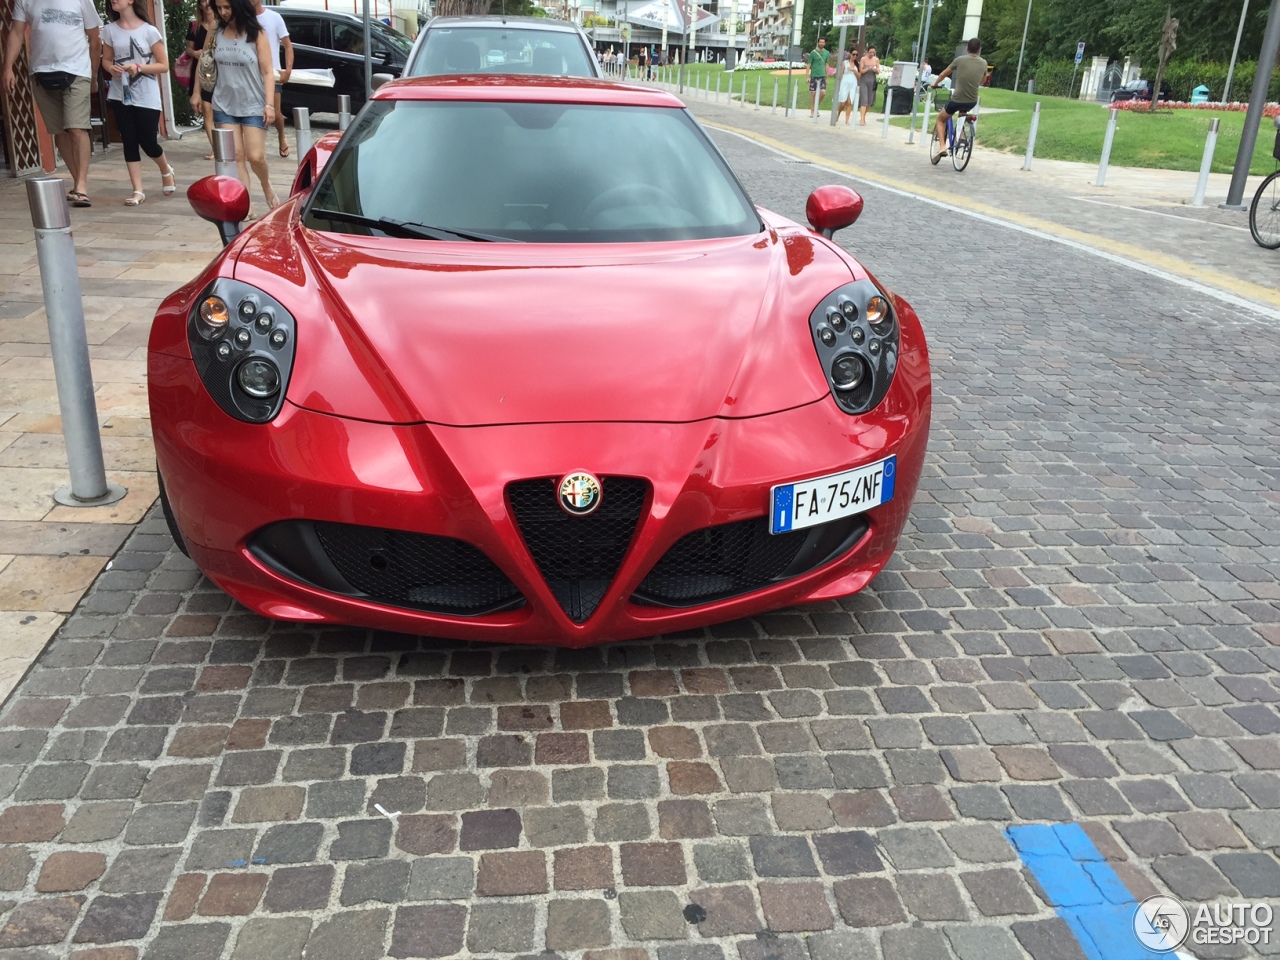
(136, 199)
(168, 188)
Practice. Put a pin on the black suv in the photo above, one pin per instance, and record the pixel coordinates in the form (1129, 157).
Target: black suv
(1141, 90)
(327, 39)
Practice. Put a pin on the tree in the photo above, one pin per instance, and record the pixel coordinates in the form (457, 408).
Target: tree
(460, 8)
(1168, 43)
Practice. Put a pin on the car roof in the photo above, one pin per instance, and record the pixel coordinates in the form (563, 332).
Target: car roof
(325, 14)
(530, 88)
(540, 23)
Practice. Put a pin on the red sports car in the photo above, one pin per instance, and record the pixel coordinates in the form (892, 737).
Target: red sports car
(520, 361)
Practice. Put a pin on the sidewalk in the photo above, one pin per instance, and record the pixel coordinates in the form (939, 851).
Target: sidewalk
(131, 258)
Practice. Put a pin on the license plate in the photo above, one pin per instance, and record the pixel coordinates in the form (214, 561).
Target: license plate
(810, 502)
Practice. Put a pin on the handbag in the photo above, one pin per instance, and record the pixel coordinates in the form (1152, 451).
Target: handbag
(55, 79)
(184, 67)
(208, 70)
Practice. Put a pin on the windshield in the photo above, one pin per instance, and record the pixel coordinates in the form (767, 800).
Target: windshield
(532, 172)
(554, 53)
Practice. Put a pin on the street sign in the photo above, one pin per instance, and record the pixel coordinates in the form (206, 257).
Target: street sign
(1079, 52)
(848, 13)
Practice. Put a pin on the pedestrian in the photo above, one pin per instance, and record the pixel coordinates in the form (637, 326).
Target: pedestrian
(642, 63)
(848, 83)
(277, 34)
(868, 74)
(244, 96)
(134, 56)
(817, 60)
(204, 23)
(66, 48)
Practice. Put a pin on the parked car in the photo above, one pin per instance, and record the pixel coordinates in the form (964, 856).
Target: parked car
(502, 45)
(408, 398)
(1140, 90)
(327, 39)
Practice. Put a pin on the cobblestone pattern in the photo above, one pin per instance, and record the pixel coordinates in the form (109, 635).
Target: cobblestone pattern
(1082, 624)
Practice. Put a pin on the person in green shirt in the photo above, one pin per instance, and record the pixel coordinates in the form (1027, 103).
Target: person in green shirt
(817, 60)
(969, 71)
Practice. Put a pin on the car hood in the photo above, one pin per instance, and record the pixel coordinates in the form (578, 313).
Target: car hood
(473, 334)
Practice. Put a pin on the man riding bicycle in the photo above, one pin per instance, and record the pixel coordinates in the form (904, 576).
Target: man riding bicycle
(970, 70)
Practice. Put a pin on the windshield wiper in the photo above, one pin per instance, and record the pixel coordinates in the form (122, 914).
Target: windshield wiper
(406, 228)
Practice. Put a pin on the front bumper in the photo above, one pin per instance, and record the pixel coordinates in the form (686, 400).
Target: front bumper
(229, 481)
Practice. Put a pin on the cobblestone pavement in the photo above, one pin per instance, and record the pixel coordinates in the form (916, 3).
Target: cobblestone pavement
(1082, 626)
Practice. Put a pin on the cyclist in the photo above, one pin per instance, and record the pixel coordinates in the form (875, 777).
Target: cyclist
(970, 70)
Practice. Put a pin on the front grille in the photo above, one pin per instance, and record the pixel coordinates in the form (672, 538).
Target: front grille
(736, 558)
(395, 567)
(577, 556)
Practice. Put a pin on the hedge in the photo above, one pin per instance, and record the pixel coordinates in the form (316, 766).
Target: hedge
(1053, 77)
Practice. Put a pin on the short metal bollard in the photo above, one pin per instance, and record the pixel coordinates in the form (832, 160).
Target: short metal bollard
(758, 82)
(69, 346)
(1106, 148)
(302, 131)
(774, 108)
(888, 111)
(719, 77)
(344, 111)
(224, 153)
(1031, 137)
(744, 89)
(795, 95)
(1210, 144)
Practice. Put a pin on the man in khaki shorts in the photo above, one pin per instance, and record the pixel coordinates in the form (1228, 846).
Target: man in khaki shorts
(65, 54)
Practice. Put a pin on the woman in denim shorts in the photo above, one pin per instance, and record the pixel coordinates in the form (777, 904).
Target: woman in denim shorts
(244, 96)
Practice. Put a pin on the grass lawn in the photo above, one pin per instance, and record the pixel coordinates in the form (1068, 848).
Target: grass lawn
(1069, 129)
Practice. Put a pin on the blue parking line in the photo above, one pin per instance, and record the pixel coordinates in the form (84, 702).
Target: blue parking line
(1087, 894)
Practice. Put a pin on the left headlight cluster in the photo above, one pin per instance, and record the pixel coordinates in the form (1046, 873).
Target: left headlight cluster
(856, 334)
(242, 342)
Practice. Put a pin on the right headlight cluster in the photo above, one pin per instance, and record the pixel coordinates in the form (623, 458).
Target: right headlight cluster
(242, 342)
(856, 335)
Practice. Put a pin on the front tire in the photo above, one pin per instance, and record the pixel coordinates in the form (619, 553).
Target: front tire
(963, 148)
(169, 519)
(1264, 213)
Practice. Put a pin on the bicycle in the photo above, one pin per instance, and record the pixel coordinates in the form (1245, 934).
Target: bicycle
(959, 144)
(1264, 212)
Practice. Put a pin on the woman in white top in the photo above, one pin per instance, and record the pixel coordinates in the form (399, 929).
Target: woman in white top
(848, 81)
(134, 56)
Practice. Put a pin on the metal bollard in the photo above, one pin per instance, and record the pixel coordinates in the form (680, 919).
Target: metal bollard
(775, 96)
(1202, 184)
(759, 80)
(302, 130)
(224, 153)
(69, 346)
(888, 111)
(1106, 148)
(1031, 137)
(744, 89)
(795, 95)
(344, 111)
(718, 77)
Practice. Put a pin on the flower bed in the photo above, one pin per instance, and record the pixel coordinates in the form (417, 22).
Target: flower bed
(1270, 110)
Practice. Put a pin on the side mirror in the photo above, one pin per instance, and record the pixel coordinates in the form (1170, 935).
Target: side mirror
(378, 79)
(223, 201)
(832, 208)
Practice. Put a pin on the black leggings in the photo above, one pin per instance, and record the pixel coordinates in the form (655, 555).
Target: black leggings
(138, 128)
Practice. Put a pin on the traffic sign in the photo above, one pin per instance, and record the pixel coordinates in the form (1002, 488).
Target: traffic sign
(1079, 52)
